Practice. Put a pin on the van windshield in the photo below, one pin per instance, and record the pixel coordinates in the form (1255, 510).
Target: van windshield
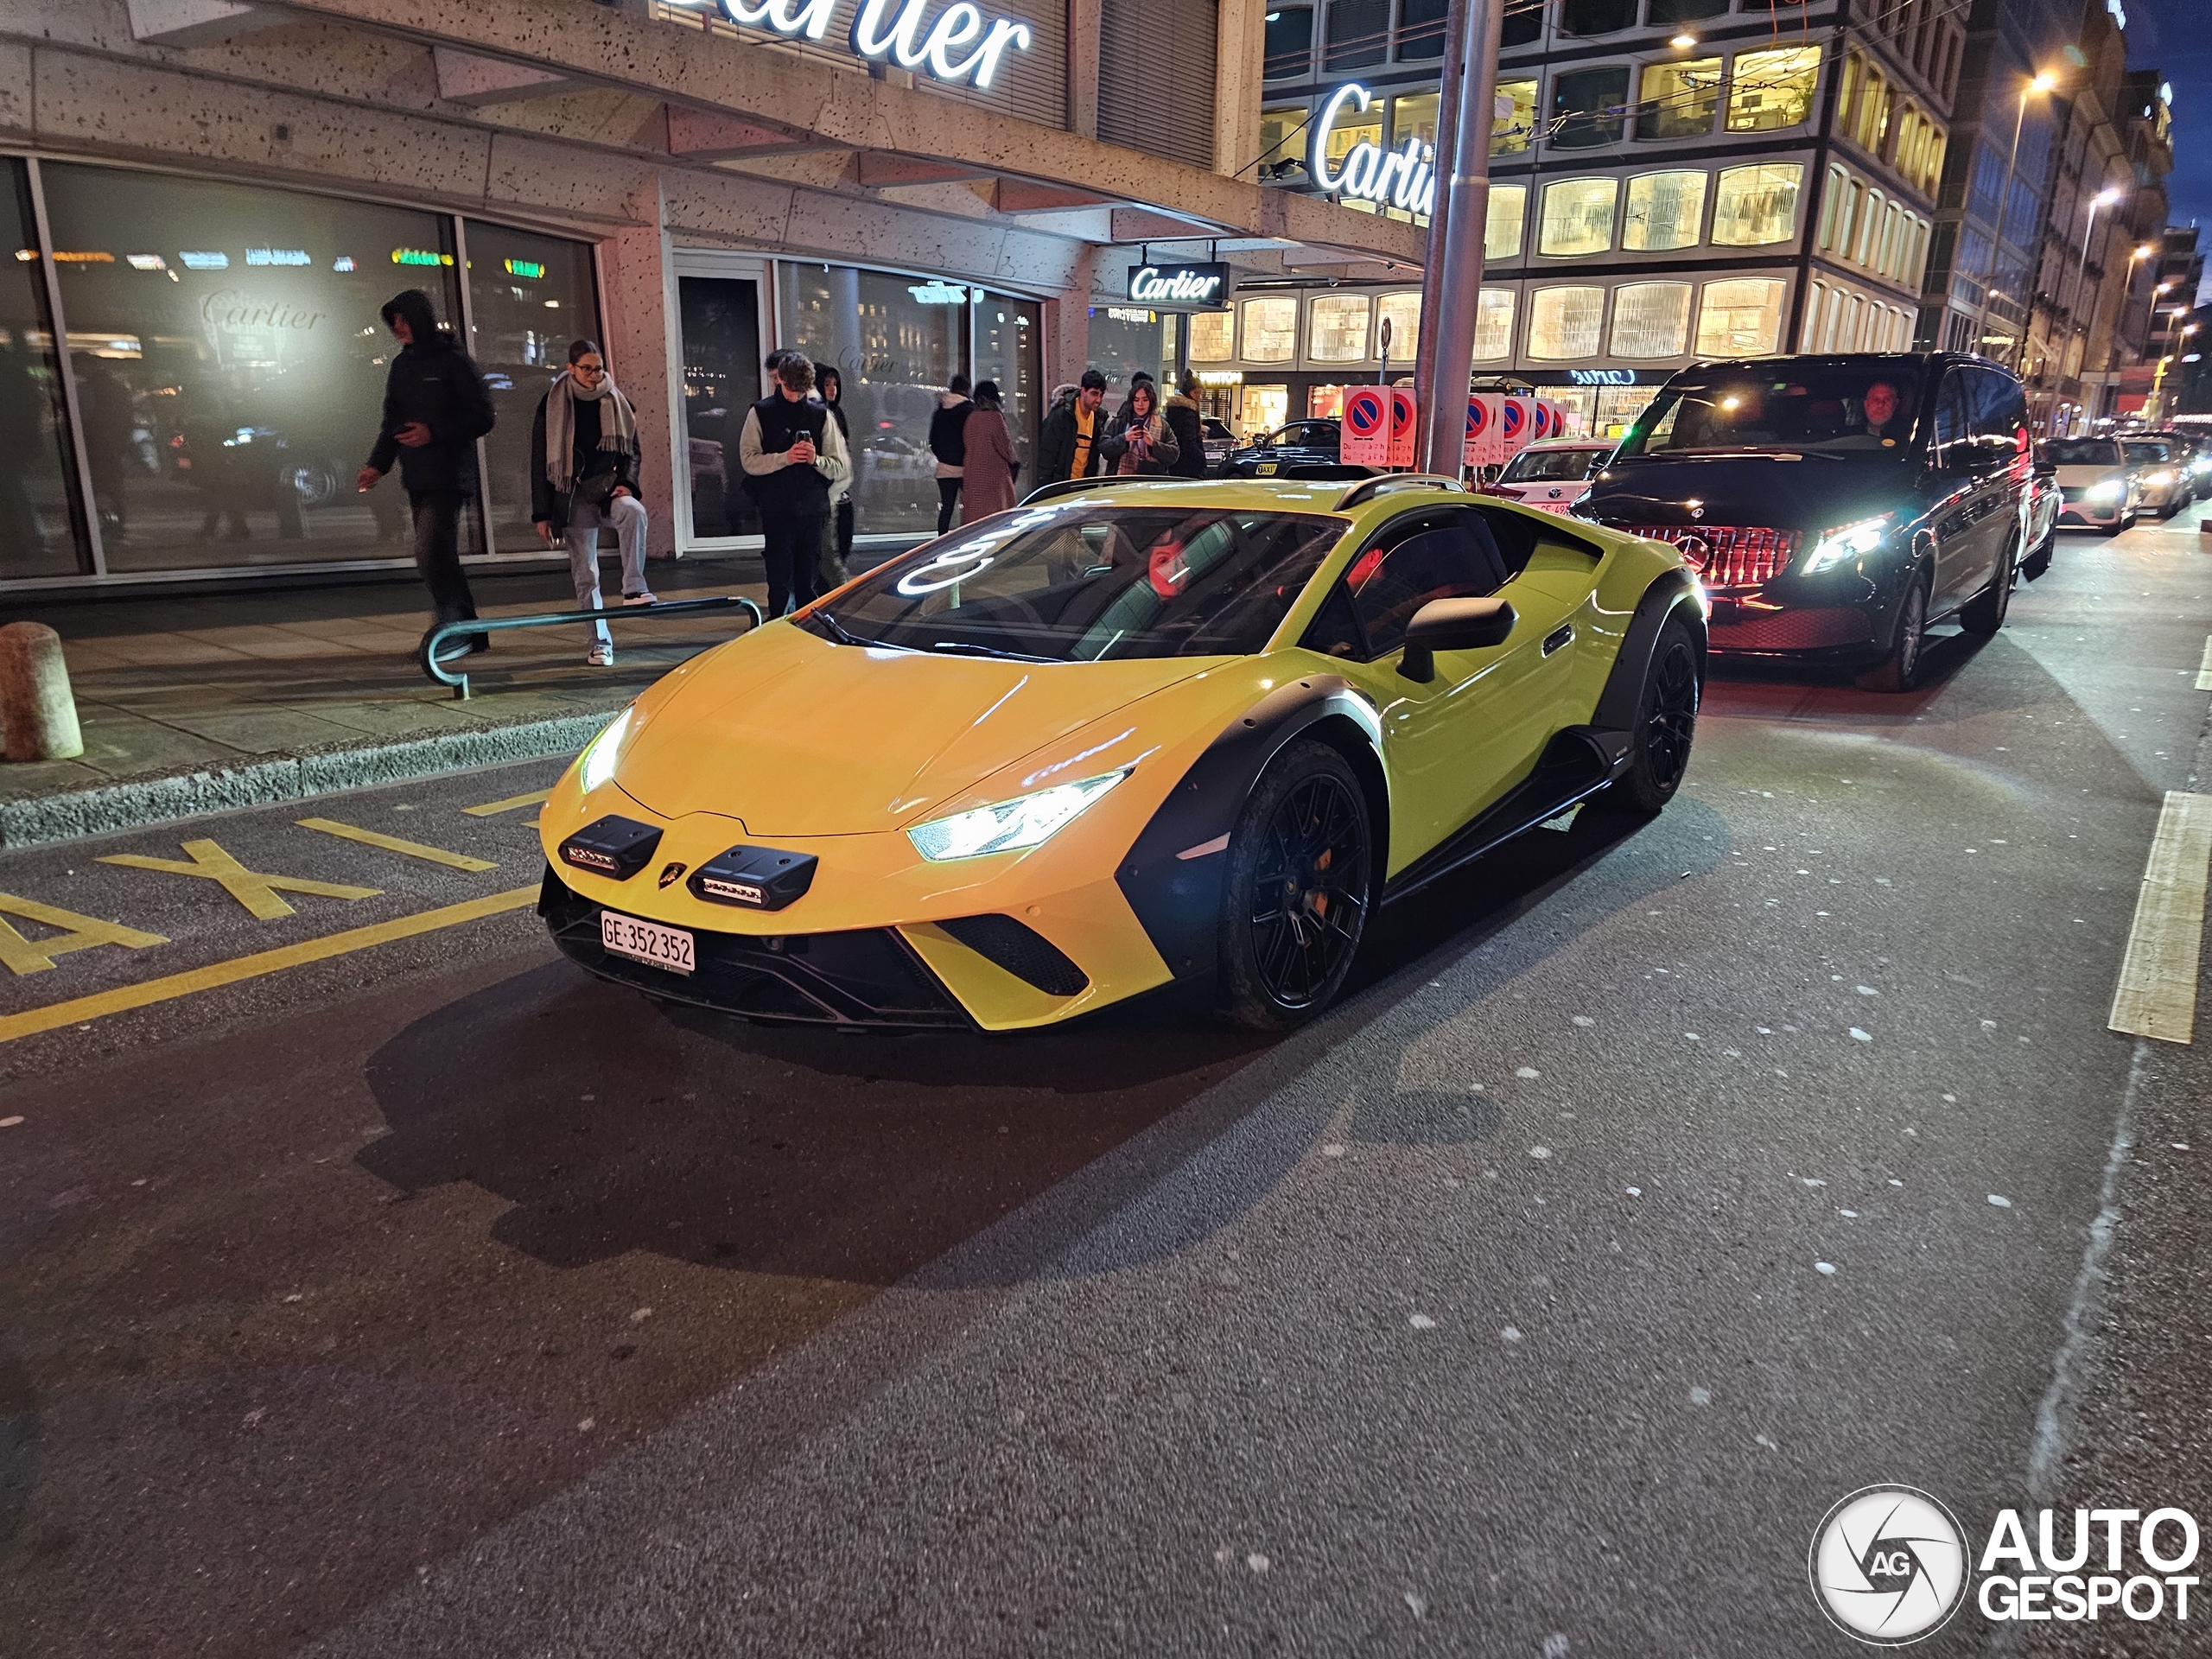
(1769, 407)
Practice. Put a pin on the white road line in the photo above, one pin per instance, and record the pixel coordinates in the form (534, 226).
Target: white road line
(2204, 667)
(2156, 995)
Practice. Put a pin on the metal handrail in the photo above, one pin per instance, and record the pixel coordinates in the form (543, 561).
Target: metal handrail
(441, 632)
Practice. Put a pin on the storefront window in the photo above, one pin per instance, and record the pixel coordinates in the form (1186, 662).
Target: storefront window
(1754, 206)
(529, 295)
(240, 378)
(1587, 106)
(1353, 128)
(1261, 409)
(1617, 408)
(1741, 317)
(1270, 328)
(896, 349)
(1127, 339)
(1563, 323)
(1282, 145)
(1289, 47)
(1678, 100)
(1664, 211)
(1402, 313)
(1503, 220)
(1651, 319)
(1493, 324)
(1337, 328)
(1359, 33)
(1324, 403)
(1514, 128)
(39, 516)
(721, 380)
(1574, 404)
(1413, 115)
(1578, 216)
(1213, 336)
(1008, 346)
(1772, 89)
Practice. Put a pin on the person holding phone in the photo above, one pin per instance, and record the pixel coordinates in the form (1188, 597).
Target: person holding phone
(792, 451)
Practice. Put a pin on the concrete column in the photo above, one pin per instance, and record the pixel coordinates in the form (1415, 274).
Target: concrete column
(1067, 323)
(643, 353)
(1082, 66)
(1239, 59)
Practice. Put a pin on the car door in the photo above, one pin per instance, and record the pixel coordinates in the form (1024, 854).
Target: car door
(1951, 483)
(1999, 417)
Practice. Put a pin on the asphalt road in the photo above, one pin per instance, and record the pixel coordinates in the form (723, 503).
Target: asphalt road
(1661, 1184)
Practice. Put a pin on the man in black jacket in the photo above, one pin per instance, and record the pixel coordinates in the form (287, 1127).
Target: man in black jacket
(434, 409)
(792, 451)
(1068, 445)
(1185, 421)
(948, 443)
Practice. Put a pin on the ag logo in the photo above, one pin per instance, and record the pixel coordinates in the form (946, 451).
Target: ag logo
(1888, 1565)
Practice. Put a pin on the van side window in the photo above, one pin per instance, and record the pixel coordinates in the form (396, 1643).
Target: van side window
(1947, 437)
(2000, 411)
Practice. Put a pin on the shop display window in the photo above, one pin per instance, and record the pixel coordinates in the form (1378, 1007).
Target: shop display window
(1271, 329)
(1651, 320)
(1563, 323)
(1588, 106)
(1261, 409)
(1574, 404)
(1755, 205)
(1402, 313)
(1125, 340)
(1578, 216)
(1213, 336)
(1665, 210)
(1740, 318)
(529, 295)
(1770, 90)
(1493, 324)
(1413, 115)
(721, 380)
(1503, 221)
(1617, 408)
(1324, 403)
(1336, 327)
(1678, 100)
(38, 532)
(1513, 128)
(1010, 349)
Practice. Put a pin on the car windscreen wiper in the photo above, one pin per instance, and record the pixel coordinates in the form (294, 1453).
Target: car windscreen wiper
(969, 648)
(845, 636)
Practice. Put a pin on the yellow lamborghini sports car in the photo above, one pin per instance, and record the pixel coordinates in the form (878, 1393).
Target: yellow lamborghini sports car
(1133, 732)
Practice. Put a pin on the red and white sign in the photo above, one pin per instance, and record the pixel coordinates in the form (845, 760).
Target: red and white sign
(1482, 430)
(1365, 437)
(1403, 412)
(1517, 427)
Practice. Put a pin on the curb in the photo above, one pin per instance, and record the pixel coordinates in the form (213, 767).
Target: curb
(128, 805)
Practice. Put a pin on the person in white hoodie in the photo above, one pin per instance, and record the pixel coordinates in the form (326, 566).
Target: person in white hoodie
(948, 443)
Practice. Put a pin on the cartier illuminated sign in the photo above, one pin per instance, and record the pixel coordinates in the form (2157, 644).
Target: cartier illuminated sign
(1404, 178)
(957, 45)
(1180, 288)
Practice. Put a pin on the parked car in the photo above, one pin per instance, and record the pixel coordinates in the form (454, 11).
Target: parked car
(2041, 539)
(2096, 489)
(2161, 472)
(1836, 507)
(1219, 440)
(1550, 476)
(1302, 443)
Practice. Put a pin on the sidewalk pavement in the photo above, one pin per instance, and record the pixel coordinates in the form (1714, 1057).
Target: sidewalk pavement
(198, 703)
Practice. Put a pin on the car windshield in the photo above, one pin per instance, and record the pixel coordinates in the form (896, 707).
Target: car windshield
(1546, 466)
(1073, 582)
(2081, 452)
(1798, 406)
(2147, 453)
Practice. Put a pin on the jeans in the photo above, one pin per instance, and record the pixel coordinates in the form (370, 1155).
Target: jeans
(792, 552)
(625, 516)
(837, 546)
(948, 502)
(437, 556)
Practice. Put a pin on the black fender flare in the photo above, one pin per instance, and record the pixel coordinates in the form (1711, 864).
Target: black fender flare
(1671, 593)
(1172, 875)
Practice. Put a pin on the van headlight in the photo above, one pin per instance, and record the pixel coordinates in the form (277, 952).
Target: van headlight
(1846, 542)
(2111, 490)
(1008, 826)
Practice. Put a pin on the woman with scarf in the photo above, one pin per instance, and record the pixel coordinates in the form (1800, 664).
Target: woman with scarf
(583, 459)
(1140, 441)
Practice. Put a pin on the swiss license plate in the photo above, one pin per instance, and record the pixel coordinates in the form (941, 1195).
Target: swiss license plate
(1551, 507)
(646, 942)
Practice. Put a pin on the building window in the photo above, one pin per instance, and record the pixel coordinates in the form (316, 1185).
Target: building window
(1887, 265)
(1262, 408)
(1665, 210)
(1596, 16)
(1678, 100)
(1509, 209)
(1754, 206)
(1351, 129)
(1522, 26)
(1740, 318)
(1587, 106)
(1402, 313)
(1289, 46)
(1862, 250)
(1663, 12)
(1271, 329)
(1831, 199)
(1867, 120)
(1514, 130)
(1282, 145)
(1413, 115)
(1421, 28)
(1212, 336)
(1651, 319)
(1359, 33)
(1578, 216)
(1772, 89)
(1563, 323)
(1335, 328)
(1493, 324)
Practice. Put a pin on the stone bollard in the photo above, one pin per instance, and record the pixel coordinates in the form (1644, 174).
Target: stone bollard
(38, 715)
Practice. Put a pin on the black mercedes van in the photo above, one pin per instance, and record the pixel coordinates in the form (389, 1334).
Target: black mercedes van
(1834, 507)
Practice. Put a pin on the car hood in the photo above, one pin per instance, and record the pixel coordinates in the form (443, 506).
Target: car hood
(795, 736)
(1810, 495)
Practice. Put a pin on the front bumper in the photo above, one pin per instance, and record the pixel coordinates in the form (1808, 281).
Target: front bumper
(2081, 512)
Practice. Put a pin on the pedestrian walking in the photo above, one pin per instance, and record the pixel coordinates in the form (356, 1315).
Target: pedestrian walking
(838, 539)
(1068, 446)
(948, 442)
(791, 451)
(1140, 442)
(1183, 415)
(583, 477)
(992, 465)
(434, 409)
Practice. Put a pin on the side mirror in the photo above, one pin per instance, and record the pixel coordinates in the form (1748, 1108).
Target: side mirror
(1453, 624)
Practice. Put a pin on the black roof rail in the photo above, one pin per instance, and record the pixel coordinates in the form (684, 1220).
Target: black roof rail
(1368, 488)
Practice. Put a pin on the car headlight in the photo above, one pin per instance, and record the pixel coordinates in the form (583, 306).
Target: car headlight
(1846, 542)
(2160, 480)
(2111, 490)
(1008, 826)
(596, 765)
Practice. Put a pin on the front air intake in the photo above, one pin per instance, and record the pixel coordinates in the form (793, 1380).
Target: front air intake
(1021, 950)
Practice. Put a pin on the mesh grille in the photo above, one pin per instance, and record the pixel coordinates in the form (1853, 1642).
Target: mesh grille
(1728, 556)
(1021, 950)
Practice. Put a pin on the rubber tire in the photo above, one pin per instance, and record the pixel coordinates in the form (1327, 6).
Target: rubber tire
(1241, 997)
(1640, 789)
(1983, 614)
(2037, 565)
(1901, 670)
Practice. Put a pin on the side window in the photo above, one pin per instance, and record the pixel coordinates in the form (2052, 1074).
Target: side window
(1947, 437)
(2000, 410)
(1316, 435)
(1334, 631)
(1437, 556)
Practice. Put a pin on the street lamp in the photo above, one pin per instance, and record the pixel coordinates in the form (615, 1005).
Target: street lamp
(2042, 82)
(2104, 197)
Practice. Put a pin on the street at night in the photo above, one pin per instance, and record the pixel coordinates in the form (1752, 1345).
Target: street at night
(1657, 1184)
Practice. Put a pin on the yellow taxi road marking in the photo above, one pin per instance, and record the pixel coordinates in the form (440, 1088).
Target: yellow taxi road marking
(24, 956)
(394, 844)
(2204, 667)
(534, 797)
(256, 891)
(82, 1008)
(2158, 978)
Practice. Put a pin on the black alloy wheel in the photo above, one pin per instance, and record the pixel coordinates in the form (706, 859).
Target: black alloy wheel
(1299, 887)
(1659, 752)
(1900, 670)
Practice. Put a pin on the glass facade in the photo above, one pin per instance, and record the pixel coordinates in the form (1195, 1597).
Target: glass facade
(40, 526)
(528, 297)
(721, 380)
(1010, 349)
(1127, 339)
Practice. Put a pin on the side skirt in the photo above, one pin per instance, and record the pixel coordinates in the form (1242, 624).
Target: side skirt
(1576, 765)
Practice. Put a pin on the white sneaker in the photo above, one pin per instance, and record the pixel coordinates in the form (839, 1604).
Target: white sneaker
(600, 657)
(643, 596)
